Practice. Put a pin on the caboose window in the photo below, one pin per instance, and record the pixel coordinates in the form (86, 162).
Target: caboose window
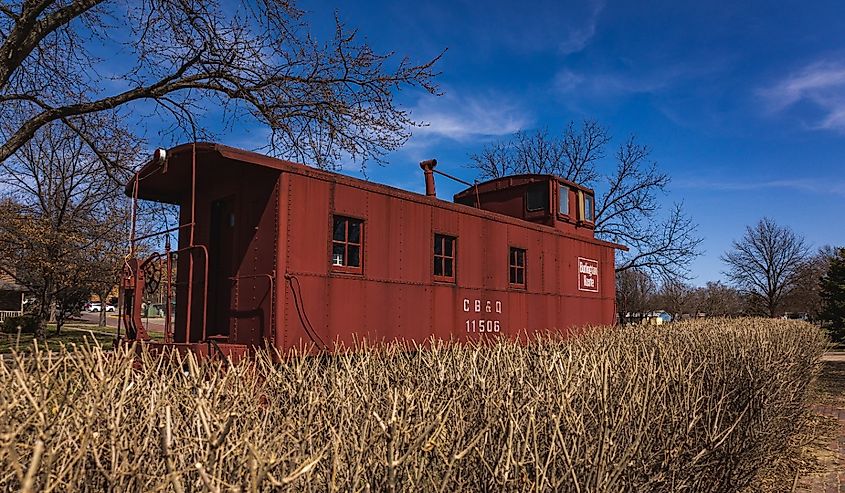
(517, 266)
(589, 208)
(537, 197)
(563, 199)
(444, 258)
(346, 243)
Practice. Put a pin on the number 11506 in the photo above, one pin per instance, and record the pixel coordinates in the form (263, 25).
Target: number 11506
(482, 325)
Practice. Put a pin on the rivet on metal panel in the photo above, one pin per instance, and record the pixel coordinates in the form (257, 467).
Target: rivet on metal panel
(329, 231)
(273, 291)
(287, 258)
(367, 214)
(402, 222)
(542, 264)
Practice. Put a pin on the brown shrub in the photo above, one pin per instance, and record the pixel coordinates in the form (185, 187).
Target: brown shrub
(697, 406)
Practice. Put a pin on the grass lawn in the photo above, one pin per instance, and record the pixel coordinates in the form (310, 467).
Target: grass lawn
(155, 335)
(72, 333)
(77, 335)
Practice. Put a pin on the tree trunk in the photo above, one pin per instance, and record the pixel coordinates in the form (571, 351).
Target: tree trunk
(44, 303)
(103, 304)
(43, 316)
(41, 329)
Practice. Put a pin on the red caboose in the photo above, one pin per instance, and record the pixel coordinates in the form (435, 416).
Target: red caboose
(274, 252)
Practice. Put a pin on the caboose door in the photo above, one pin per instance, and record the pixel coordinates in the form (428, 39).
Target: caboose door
(221, 267)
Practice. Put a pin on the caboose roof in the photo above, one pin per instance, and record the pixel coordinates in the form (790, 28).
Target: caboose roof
(510, 181)
(169, 181)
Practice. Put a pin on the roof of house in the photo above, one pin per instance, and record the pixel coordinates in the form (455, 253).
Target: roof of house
(11, 286)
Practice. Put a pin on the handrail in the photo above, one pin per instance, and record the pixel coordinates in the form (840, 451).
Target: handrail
(271, 298)
(191, 288)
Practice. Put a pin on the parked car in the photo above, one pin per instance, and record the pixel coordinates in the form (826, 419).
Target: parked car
(98, 307)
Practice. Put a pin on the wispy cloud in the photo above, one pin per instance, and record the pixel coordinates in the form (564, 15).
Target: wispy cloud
(609, 83)
(580, 37)
(821, 84)
(808, 185)
(632, 80)
(467, 118)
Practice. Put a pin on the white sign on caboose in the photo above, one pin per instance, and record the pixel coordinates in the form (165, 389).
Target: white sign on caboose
(588, 274)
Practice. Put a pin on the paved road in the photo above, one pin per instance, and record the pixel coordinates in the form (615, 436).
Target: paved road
(152, 324)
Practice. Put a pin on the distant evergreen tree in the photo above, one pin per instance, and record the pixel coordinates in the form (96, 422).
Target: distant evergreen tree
(833, 295)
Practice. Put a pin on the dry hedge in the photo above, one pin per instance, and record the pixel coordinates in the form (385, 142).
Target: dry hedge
(698, 406)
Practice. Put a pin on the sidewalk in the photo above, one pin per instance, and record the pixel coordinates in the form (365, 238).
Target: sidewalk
(831, 384)
(832, 479)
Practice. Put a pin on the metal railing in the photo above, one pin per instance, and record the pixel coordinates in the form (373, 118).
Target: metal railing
(4, 314)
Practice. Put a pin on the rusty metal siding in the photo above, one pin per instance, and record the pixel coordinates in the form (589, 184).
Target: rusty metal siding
(417, 244)
(283, 284)
(309, 218)
(396, 297)
(254, 285)
(471, 272)
(284, 227)
(240, 305)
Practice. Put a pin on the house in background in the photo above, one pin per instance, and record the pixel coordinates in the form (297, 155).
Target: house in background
(658, 317)
(11, 297)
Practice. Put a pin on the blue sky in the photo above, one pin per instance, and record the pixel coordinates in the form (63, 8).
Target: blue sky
(743, 105)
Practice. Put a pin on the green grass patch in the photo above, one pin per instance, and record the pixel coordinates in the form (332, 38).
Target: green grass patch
(154, 335)
(23, 343)
(72, 333)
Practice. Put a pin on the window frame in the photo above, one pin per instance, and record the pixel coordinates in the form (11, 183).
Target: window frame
(563, 191)
(582, 207)
(544, 188)
(513, 266)
(434, 256)
(347, 269)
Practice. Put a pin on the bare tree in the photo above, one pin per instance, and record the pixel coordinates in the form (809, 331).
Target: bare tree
(64, 61)
(716, 299)
(635, 292)
(765, 264)
(807, 297)
(629, 210)
(674, 296)
(58, 212)
(106, 253)
(575, 155)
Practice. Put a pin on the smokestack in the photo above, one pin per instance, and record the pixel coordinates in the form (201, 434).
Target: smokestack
(428, 169)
